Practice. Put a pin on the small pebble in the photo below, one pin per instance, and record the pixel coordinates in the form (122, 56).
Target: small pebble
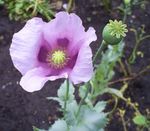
(89, 19)
(7, 84)
(3, 87)
(133, 16)
(131, 21)
(94, 12)
(17, 82)
(65, 6)
(1, 38)
(43, 122)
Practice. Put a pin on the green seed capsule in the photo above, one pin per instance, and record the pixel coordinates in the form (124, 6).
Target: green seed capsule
(114, 32)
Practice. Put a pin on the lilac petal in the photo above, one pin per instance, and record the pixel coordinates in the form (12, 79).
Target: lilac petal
(26, 44)
(90, 36)
(83, 69)
(35, 79)
(64, 26)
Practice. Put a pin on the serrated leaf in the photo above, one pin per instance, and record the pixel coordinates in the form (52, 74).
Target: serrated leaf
(59, 125)
(71, 112)
(62, 92)
(105, 70)
(82, 92)
(100, 106)
(90, 120)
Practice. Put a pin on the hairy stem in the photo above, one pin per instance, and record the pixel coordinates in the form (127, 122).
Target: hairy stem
(70, 4)
(35, 8)
(66, 98)
(99, 51)
(83, 99)
(123, 67)
(138, 42)
(123, 121)
(133, 55)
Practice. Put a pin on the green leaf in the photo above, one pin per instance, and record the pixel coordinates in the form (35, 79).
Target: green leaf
(115, 92)
(71, 112)
(100, 106)
(61, 93)
(105, 70)
(140, 120)
(90, 120)
(82, 92)
(1, 2)
(37, 129)
(22, 9)
(59, 125)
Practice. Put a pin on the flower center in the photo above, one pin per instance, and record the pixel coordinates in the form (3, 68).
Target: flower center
(57, 58)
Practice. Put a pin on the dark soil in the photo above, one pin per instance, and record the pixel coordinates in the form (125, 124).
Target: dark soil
(20, 110)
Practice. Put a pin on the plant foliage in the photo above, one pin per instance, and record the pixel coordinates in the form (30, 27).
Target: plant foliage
(25, 9)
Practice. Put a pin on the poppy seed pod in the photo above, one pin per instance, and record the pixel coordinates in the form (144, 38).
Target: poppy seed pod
(114, 32)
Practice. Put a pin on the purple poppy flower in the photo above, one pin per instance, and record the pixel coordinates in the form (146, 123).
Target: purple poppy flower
(48, 51)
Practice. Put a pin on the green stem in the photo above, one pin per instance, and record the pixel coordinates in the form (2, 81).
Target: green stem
(133, 55)
(125, 11)
(124, 87)
(99, 51)
(129, 103)
(125, 15)
(66, 98)
(70, 3)
(35, 8)
(128, 67)
(115, 105)
(123, 122)
(138, 41)
(145, 37)
(107, 5)
(83, 99)
(123, 67)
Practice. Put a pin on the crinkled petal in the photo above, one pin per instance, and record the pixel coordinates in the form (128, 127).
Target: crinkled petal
(35, 79)
(64, 26)
(83, 69)
(26, 44)
(90, 36)
(70, 27)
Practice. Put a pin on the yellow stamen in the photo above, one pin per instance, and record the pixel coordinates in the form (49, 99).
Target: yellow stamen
(57, 59)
